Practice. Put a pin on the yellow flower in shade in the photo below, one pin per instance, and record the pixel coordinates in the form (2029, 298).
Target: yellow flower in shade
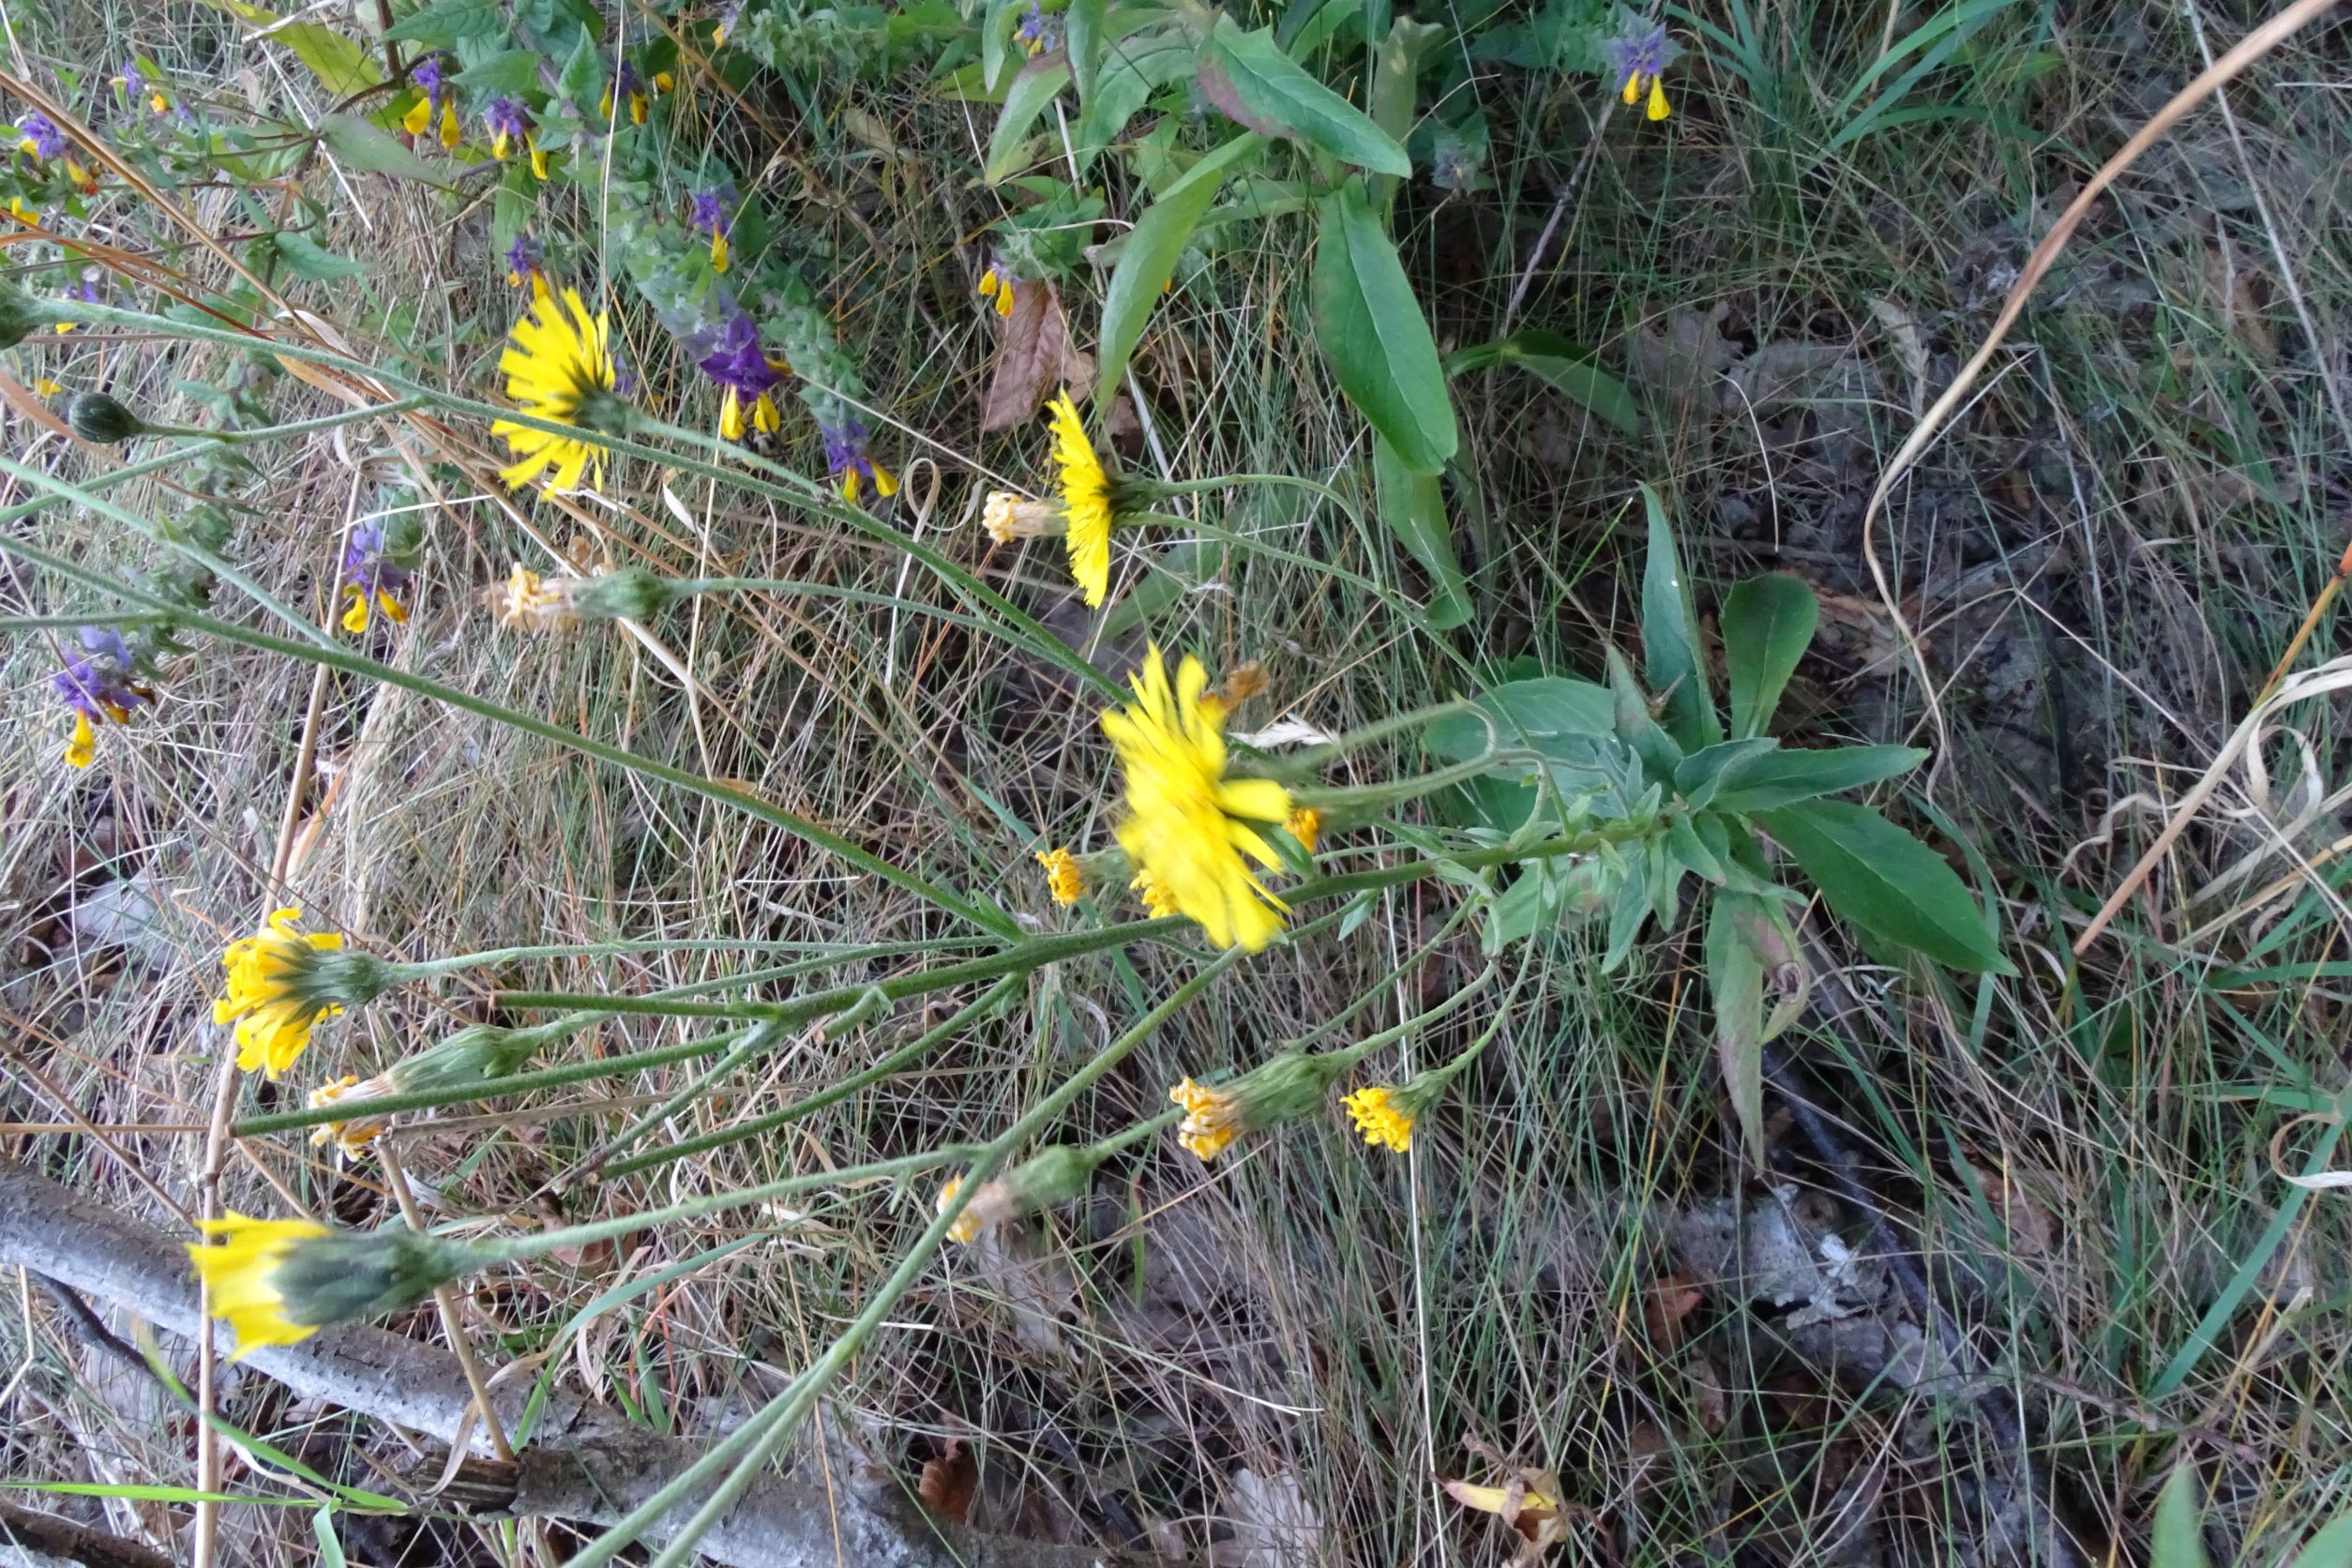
(1305, 825)
(1061, 876)
(82, 747)
(275, 995)
(967, 1227)
(1383, 1120)
(1187, 825)
(1211, 1119)
(538, 158)
(558, 365)
(241, 1272)
(1086, 500)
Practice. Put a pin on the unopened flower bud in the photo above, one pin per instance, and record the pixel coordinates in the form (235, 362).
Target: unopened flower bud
(19, 316)
(96, 417)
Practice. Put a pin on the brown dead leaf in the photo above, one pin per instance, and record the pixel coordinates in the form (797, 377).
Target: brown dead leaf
(1033, 357)
(2032, 1231)
(948, 1483)
(1685, 361)
(1665, 1308)
(1528, 1500)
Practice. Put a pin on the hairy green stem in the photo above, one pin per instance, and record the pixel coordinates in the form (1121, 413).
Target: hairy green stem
(988, 918)
(913, 1050)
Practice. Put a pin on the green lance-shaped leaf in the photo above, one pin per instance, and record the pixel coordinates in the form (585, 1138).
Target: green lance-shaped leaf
(1886, 882)
(1147, 261)
(1561, 364)
(1247, 76)
(1768, 624)
(1372, 331)
(2177, 1538)
(1413, 506)
(1031, 91)
(1671, 656)
(1735, 982)
(1783, 777)
(363, 144)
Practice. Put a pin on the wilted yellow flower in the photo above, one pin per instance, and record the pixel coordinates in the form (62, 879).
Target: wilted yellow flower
(241, 1273)
(559, 368)
(275, 994)
(530, 601)
(1187, 825)
(353, 1137)
(967, 1227)
(1061, 876)
(1383, 1120)
(1213, 1119)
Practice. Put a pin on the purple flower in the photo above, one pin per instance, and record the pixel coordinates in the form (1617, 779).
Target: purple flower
(1037, 32)
(96, 683)
(736, 359)
(504, 119)
(40, 136)
(1636, 56)
(371, 580)
(427, 75)
(713, 209)
(523, 260)
(849, 462)
(729, 20)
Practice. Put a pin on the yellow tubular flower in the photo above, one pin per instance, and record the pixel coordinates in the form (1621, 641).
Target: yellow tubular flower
(1384, 1122)
(450, 135)
(419, 117)
(765, 416)
(1061, 876)
(1658, 110)
(559, 359)
(240, 1273)
(1212, 1120)
(538, 158)
(1086, 497)
(1187, 826)
(266, 1000)
(731, 425)
(82, 747)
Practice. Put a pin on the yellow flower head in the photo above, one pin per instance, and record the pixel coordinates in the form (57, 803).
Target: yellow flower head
(1061, 876)
(1213, 1119)
(275, 996)
(1305, 825)
(1187, 825)
(967, 1227)
(241, 1273)
(558, 367)
(1086, 500)
(1381, 1117)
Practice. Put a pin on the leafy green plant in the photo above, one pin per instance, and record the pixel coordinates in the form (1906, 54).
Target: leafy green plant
(1711, 792)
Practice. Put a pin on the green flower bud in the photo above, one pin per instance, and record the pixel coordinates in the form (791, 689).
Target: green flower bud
(20, 314)
(96, 417)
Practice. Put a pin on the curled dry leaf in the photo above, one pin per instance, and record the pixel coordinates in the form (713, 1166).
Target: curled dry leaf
(1035, 358)
(1527, 1501)
(948, 1482)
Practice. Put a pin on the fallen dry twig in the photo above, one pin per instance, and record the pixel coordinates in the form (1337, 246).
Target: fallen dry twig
(583, 1463)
